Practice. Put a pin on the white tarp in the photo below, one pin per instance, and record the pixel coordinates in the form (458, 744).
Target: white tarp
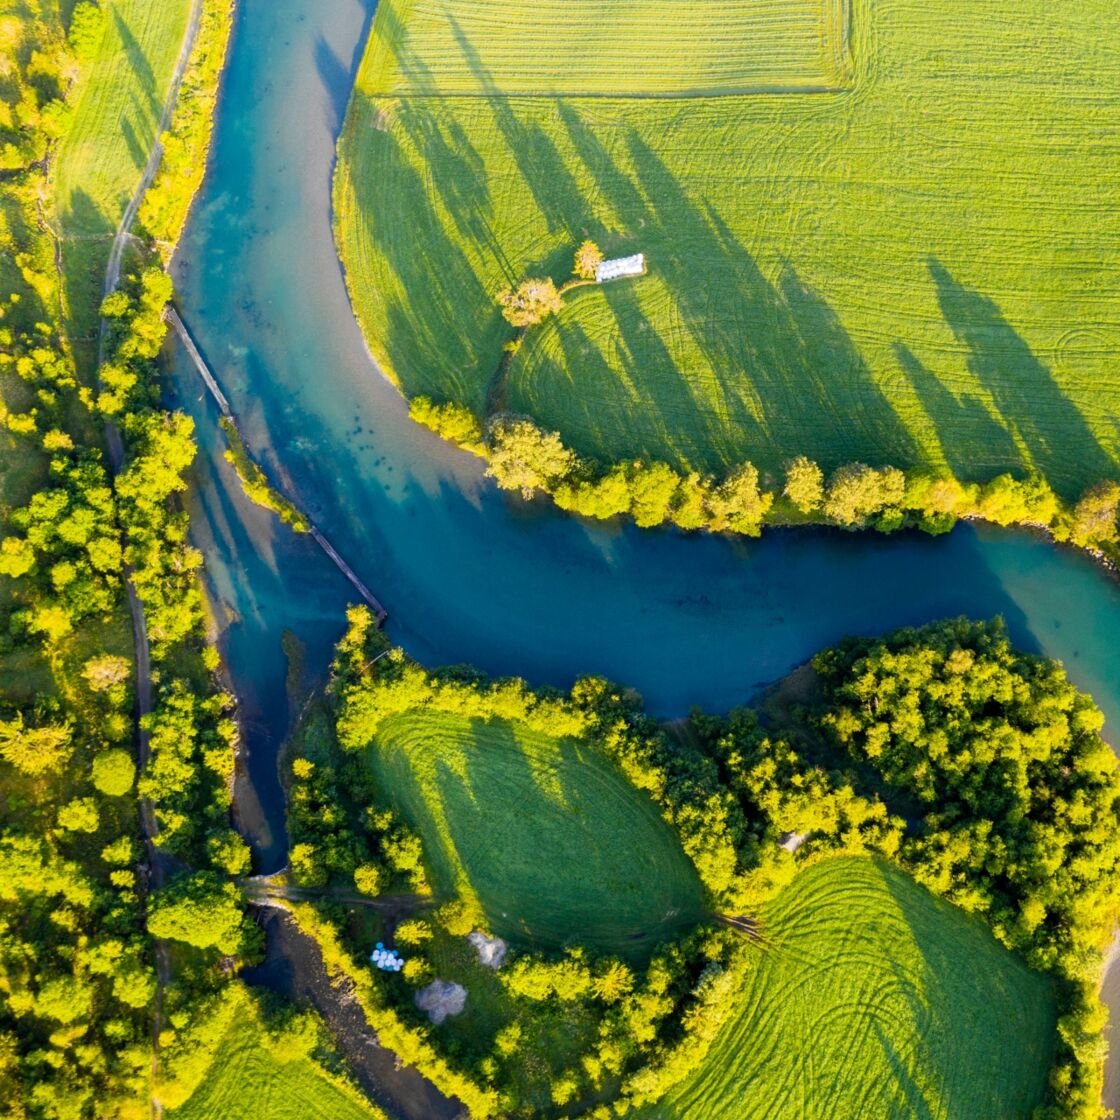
(620, 266)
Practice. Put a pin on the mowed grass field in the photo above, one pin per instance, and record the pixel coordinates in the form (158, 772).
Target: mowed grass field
(919, 269)
(639, 47)
(272, 1080)
(116, 123)
(875, 1000)
(545, 834)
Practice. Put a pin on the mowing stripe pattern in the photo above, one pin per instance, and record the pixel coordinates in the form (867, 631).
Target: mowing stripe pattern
(637, 48)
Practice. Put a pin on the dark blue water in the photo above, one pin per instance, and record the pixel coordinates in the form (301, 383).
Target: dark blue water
(466, 574)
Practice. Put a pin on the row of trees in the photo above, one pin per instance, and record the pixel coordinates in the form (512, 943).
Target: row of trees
(76, 976)
(525, 458)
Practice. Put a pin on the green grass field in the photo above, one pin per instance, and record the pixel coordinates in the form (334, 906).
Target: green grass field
(639, 47)
(546, 834)
(919, 269)
(875, 999)
(116, 119)
(248, 1074)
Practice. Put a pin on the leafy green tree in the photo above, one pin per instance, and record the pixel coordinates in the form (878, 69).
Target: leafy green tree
(602, 498)
(738, 504)
(114, 772)
(653, 488)
(804, 484)
(531, 302)
(588, 258)
(450, 420)
(856, 492)
(106, 672)
(79, 815)
(525, 458)
(35, 750)
(200, 910)
(1094, 521)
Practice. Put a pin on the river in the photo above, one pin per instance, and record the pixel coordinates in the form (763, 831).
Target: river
(466, 573)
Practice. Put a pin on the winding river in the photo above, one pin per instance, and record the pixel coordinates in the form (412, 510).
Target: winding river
(468, 574)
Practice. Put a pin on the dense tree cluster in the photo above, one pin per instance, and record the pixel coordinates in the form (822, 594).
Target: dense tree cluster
(37, 67)
(77, 976)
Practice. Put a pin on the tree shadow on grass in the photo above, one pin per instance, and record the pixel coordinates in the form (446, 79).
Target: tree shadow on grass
(141, 68)
(442, 331)
(976, 447)
(788, 378)
(984, 1035)
(1024, 390)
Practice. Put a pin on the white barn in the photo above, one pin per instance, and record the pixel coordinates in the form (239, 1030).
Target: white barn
(619, 267)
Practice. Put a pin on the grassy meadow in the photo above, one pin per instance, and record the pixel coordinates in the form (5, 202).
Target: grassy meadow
(626, 47)
(239, 1067)
(116, 121)
(546, 834)
(875, 999)
(917, 269)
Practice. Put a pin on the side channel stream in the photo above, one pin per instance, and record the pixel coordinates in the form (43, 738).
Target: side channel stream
(467, 574)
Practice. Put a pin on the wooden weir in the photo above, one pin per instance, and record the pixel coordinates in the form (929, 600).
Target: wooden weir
(174, 319)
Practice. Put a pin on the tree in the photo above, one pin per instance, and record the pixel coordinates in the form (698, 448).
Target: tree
(738, 504)
(531, 302)
(588, 258)
(653, 487)
(371, 879)
(79, 815)
(201, 910)
(106, 671)
(804, 484)
(1094, 517)
(525, 458)
(856, 492)
(34, 750)
(17, 557)
(113, 772)
(450, 420)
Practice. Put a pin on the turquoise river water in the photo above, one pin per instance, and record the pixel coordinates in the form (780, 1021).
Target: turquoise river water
(466, 573)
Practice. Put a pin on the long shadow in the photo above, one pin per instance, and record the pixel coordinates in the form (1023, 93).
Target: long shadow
(538, 160)
(141, 67)
(932, 999)
(1028, 397)
(777, 351)
(438, 325)
(975, 445)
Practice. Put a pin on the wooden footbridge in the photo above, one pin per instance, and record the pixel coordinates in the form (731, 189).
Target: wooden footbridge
(199, 362)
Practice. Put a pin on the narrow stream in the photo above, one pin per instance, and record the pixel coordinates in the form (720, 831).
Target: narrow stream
(466, 573)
